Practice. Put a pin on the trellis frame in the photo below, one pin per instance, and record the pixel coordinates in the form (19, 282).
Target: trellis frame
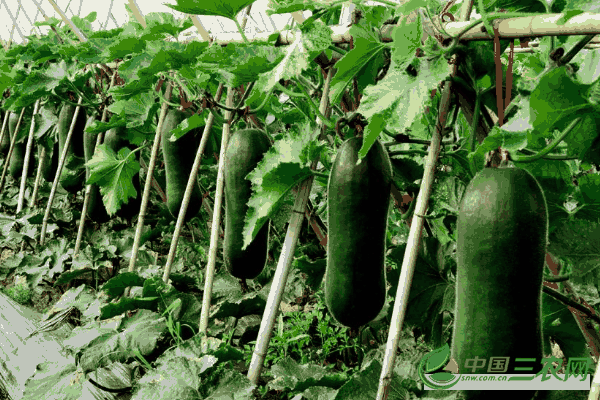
(508, 28)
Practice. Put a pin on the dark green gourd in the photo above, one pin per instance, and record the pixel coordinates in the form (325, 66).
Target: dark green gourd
(358, 202)
(179, 159)
(502, 230)
(245, 150)
(73, 174)
(17, 159)
(96, 210)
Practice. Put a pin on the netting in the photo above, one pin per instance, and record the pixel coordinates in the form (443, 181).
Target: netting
(20, 16)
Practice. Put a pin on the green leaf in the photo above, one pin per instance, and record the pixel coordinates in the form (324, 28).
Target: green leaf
(366, 49)
(160, 23)
(222, 8)
(113, 173)
(284, 166)
(399, 98)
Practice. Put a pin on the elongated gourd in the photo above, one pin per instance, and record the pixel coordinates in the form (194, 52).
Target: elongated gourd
(44, 163)
(17, 159)
(65, 118)
(358, 202)
(245, 150)
(96, 210)
(5, 144)
(50, 164)
(179, 158)
(502, 231)
(115, 140)
(73, 173)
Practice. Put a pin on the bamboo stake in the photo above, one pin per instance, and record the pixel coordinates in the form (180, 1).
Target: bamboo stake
(61, 163)
(64, 17)
(192, 179)
(13, 142)
(285, 259)
(189, 189)
(28, 150)
(200, 28)
(410, 255)
(414, 236)
(137, 13)
(214, 232)
(88, 187)
(148, 183)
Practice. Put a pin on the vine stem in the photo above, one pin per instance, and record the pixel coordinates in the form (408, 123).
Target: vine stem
(567, 301)
(549, 148)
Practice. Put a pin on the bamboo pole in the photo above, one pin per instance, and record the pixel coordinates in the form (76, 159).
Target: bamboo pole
(64, 17)
(137, 13)
(200, 28)
(88, 187)
(415, 234)
(522, 27)
(214, 232)
(189, 189)
(28, 150)
(148, 182)
(38, 176)
(61, 164)
(285, 259)
(13, 142)
(192, 180)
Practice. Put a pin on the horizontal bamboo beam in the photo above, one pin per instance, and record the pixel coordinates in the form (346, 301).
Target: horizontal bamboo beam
(542, 25)
(523, 27)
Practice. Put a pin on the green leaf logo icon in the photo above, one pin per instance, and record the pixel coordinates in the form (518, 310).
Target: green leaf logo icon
(434, 361)
(437, 358)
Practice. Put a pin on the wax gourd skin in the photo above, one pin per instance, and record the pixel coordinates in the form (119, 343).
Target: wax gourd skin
(246, 148)
(179, 159)
(502, 232)
(96, 210)
(5, 144)
(358, 199)
(17, 159)
(72, 179)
